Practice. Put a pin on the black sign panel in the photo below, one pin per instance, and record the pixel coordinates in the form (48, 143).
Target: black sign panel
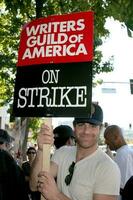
(53, 90)
(131, 86)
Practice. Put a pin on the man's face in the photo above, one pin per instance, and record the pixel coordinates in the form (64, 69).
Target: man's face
(86, 134)
(110, 141)
(31, 155)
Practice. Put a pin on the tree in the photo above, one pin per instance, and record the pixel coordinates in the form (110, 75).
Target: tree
(15, 13)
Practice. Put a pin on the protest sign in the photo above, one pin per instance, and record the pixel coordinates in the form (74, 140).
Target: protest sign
(54, 69)
(49, 90)
(57, 39)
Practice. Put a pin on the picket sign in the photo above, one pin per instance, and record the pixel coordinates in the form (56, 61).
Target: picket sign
(46, 152)
(52, 46)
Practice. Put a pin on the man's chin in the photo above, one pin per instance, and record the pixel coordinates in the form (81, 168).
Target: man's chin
(86, 146)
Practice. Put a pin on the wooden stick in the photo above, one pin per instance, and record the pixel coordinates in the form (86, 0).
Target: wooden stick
(46, 152)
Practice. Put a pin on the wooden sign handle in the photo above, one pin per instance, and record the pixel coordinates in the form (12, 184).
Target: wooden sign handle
(46, 152)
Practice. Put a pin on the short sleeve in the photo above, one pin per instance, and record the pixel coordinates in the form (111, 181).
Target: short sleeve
(58, 155)
(107, 179)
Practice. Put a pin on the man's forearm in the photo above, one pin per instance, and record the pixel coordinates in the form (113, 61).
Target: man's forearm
(35, 169)
(61, 196)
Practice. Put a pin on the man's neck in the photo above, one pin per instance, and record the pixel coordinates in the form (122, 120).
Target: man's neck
(84, 152)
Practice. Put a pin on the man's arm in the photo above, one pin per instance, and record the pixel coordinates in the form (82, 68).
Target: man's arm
(48, 188)
(104, 197)
(35, 169)
(45, 136)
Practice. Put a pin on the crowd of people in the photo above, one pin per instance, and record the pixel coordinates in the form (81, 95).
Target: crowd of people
(79, 169)
(18, 172)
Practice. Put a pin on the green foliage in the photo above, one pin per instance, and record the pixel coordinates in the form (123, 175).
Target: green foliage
(34, 123)
(122, 10)
(15, 13)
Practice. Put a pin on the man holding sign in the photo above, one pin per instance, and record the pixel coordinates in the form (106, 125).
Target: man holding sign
(83, 172)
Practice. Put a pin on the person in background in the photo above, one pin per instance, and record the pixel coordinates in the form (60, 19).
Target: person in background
(127, 193)
(124, 154)
(84, 171)
(5, 140)
(26, 166)
(63, 135)
(12, 181)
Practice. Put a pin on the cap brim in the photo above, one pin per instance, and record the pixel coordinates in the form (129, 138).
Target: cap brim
(86, 120)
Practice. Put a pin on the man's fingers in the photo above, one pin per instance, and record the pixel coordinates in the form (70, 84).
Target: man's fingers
(44, 174)
(46, 127)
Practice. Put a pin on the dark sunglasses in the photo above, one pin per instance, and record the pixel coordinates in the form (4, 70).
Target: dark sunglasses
(31, 152)
(70, 175)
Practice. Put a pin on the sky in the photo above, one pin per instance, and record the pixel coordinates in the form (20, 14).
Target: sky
(118, 108)
(120, 45)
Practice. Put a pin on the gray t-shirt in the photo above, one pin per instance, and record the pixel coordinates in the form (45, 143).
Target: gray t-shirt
(97, 173)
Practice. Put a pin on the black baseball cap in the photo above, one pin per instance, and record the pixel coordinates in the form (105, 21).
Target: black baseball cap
(63, 131)
(5, 137)
(96, 116)
(61, 134)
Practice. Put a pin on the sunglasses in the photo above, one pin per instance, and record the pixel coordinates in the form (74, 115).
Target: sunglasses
(70, 175)
(31, 152)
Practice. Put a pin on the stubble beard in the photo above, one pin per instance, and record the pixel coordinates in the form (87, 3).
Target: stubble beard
(86, 146)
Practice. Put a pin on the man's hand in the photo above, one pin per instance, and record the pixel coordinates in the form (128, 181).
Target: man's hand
(47, 186)
(45, 136)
